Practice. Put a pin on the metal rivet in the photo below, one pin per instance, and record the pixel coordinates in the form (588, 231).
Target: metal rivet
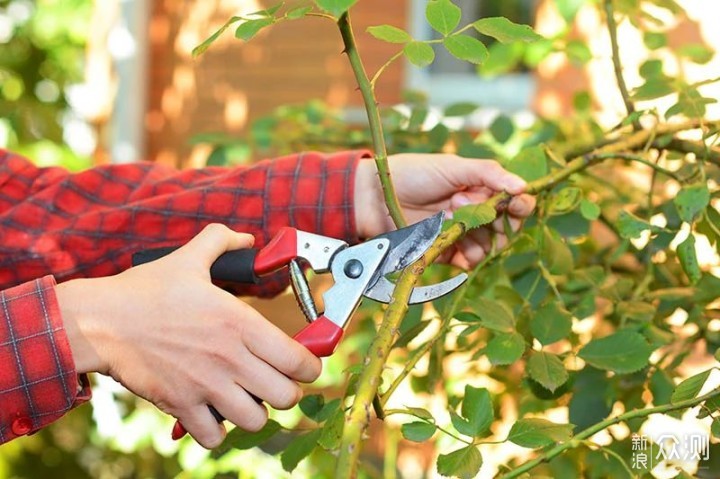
(381, 246)
(307, 245)
(353, 269)
(326, 249)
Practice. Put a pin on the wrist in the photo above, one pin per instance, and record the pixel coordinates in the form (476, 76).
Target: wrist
(81, 327)
(368, 208)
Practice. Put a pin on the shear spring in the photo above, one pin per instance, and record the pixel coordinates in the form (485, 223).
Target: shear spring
(302, 291)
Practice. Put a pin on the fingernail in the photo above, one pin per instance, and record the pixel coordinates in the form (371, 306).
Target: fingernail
(515, 183)
(462, 200)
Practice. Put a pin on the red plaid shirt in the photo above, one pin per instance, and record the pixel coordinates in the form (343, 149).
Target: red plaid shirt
(58, 225)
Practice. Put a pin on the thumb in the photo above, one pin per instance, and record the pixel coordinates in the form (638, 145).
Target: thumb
(214, 240)
(487, 173)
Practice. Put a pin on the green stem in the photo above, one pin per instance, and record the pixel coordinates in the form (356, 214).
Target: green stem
(590, 431)
(617, 65)
(373, 113)
(383, 67)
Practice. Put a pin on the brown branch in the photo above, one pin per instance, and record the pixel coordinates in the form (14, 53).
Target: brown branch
(617, 65)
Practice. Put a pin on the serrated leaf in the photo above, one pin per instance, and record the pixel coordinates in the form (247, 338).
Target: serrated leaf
(505, 348)
(535, 432)
(335, 7)
(418, 431)
(502, 128)
(505, 31)
(389, 33)
(331, 433)
(419, 54)
(530, 164)
(688, 259)
(630, 226)
(443, 16)
(477, 410)
(494, 315)
(547, 369)
(689, 388)
(249, 28)
(311, 405)
(589, 210)
(691, 201)
(466, 48)
(297, 13)
(474, 216)
(623, 352)
(464, 463)
(202, 48)
(551, 323)
(298, 449)
(241, 439)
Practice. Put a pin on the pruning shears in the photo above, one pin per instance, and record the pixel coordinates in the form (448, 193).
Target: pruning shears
(357, 271)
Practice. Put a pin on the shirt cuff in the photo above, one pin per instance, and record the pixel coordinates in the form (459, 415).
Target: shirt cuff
(38, 381)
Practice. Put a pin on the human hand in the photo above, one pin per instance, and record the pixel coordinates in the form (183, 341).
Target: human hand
(169, 335)
(428, 183)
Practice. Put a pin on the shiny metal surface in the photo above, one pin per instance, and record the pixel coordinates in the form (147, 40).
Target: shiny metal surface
(302, 292)
(317, 250)
(382, 290)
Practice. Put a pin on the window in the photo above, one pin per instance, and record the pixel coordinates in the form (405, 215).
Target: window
(449, 80)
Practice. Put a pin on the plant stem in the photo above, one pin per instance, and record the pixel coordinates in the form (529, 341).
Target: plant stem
(373, 113)
(580, 437)
(617, 65)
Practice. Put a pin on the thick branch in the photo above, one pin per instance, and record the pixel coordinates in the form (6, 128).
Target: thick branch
(617, 66)
(376, 129)
(577, 440)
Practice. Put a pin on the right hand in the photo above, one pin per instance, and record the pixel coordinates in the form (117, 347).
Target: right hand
(169, 335)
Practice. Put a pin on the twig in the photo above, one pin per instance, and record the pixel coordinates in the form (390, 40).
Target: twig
(590, 431)
(376, 129)
(617, 66)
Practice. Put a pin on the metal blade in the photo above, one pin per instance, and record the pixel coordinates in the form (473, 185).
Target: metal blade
(410, 243)
(383, 289)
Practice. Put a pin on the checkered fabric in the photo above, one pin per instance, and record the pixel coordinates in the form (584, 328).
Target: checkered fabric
(88, 224)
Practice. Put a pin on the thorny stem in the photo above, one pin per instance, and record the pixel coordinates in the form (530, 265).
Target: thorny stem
(590, 431)
(376, 129)
(617, 66)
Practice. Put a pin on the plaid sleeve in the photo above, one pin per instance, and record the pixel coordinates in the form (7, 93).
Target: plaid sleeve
(38, 383)
(88, 224)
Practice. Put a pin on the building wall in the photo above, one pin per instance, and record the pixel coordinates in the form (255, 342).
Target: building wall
(235, 82)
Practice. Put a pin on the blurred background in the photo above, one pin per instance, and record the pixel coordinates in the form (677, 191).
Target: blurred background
(86, 82)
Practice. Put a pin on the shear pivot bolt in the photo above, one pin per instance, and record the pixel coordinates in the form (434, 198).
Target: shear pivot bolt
(353, 269)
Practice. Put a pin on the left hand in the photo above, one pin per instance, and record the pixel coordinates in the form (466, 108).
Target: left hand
(428, 183)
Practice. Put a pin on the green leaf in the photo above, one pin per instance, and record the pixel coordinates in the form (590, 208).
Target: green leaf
(297, 13)
(652, 89)
(505, 31)
(654, 40)
(578, 52)
(569, 8)
(636, 311)
(250, 28)
(565, 200)
(687, 255)
(311, 405)
(502, 128)
(535, 432)
(331, 433)
(443, 16)
(464, 463)
(241, 439)
(547, 369)
(298, 449)
(389, 33)
(419, 54)
(474, 216)
(477, 410)
(551, 323)
(623, 352)
(690, 388)
(461, 109)
(327, 410)
(418, 431)
(531, 164)
(589, 210)
(630, 226)
(691, 201)
(270, 11)
(466, 48)
(652, 68)
(494, 315)
(202, 48)
(335, 7)
(505, 348)
(696, 52)
(555, 253)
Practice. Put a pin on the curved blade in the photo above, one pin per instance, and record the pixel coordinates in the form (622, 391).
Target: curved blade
(410, 243)
(383, 289)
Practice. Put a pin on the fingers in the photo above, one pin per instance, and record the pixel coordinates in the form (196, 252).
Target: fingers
(521, 206)
(266, 383)
(214, 240)
(489, 173)
(199, 422)
(238, 407)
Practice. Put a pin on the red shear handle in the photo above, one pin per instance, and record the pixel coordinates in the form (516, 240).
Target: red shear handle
(321, 337)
